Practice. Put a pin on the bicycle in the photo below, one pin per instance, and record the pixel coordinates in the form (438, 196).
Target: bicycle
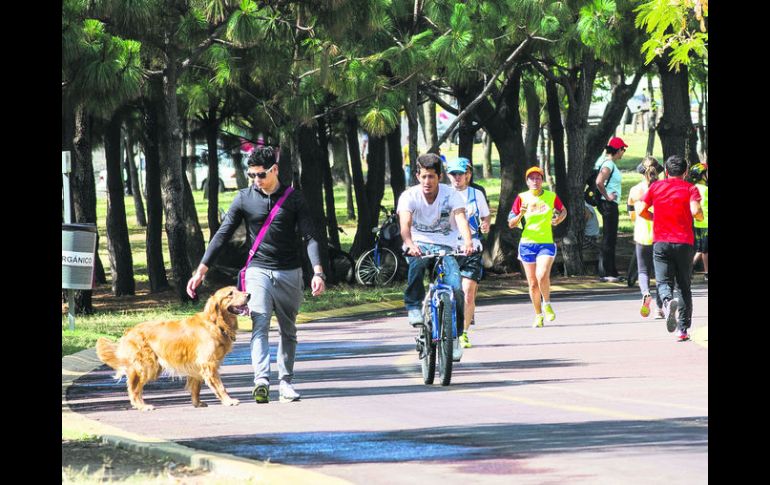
(439, 329)
(380, 265)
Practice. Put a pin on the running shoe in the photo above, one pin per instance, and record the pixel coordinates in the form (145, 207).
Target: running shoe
(261, 394)
(682, 335)
(465, 341)
(538, 323)
(645, 310)
(669, 310)
(287, 392)
(549, 313)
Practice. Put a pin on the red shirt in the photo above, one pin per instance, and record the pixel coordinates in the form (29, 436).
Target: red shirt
(672, 219)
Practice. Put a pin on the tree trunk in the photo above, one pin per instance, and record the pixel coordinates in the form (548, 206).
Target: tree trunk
(533, 122)
(653, 123)
(556, 136)
(156, 268)
(172, 179)
(196, 246)
(579, 90)
(411, 116)
(675, 129)
(487, 166)
(341, 170)
(121, 260)
(310, 160)
(504, 128)
(331, 211)
(430, 127)
(375, 176)
(702, 133)
(84, 195)
(136, 190)
(397, 181)
(465, 130)
(364, 238)
(211, 127)
(192, 158)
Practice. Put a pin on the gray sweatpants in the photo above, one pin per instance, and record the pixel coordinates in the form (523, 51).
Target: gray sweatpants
(279, 291)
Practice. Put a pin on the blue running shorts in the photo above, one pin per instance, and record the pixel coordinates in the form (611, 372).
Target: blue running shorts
(529, 252)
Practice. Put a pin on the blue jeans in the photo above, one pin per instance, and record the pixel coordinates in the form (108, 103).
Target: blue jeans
(415, 286)
(673, 261)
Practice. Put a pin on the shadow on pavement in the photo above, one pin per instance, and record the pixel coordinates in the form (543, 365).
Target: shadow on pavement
(99, 391)
(458, 443)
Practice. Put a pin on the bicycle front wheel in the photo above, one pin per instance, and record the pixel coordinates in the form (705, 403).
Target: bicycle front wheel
(428, 361)
(370, 272)
(446, 341)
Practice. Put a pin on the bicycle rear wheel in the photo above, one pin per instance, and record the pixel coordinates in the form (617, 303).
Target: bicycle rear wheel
(370, 273)
(445, 343)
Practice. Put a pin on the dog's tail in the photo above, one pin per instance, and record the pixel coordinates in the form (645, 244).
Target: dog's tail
(105, 350)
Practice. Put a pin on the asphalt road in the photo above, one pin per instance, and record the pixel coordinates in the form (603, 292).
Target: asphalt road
(601, 395)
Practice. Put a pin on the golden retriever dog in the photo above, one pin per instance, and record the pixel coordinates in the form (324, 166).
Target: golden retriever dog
(192, 347)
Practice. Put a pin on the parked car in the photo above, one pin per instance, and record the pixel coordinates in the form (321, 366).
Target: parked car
(227, 180)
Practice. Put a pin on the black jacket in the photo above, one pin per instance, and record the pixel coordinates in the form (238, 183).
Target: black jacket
(281, 246)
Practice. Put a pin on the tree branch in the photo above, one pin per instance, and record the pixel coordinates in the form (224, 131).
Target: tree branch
(508, 62)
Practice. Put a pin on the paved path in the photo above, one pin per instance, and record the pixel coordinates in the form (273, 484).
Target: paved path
(600, 395)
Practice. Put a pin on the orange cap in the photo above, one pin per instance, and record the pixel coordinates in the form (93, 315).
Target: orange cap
(533, 170)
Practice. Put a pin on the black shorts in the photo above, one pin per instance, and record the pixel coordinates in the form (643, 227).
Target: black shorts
(471, 267)
(702, 240)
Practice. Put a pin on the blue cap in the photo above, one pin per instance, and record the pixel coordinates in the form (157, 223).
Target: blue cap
(460, 164)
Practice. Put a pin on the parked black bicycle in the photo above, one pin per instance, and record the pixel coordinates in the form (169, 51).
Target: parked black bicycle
(385, 261)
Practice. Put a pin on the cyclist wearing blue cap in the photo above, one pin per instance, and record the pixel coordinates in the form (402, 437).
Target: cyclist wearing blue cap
(477, 212)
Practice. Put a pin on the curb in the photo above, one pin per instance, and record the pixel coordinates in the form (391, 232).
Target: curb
(224, 465)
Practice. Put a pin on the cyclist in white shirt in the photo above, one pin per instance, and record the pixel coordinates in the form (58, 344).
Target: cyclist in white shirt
(432, 217)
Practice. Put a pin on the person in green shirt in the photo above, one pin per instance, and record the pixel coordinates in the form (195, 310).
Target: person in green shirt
(699, 176)
(543, 210)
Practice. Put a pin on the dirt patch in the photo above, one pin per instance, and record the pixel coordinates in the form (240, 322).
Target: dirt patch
(92, 461)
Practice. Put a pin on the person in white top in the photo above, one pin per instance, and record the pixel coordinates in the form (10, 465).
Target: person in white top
(432, 216)
(477, 212)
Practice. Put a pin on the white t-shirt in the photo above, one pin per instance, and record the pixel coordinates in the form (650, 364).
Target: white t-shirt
(475, 207)
(432, 223)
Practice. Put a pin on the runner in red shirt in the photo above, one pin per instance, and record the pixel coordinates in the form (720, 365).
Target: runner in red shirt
(676, 202)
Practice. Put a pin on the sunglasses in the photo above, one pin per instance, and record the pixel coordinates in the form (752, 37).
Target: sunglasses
(260, 175)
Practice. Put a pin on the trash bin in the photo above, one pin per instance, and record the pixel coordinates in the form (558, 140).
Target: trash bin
(78, 252)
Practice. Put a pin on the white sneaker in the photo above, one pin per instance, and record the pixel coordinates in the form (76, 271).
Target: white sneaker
(457, 350)
(287, 393)
(415, 317)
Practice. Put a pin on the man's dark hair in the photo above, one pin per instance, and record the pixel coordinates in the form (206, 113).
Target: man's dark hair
(429, 161)
(676, 165)
(262, 157)
(610, 150)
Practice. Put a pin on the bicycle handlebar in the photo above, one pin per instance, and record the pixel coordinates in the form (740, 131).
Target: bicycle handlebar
(441, 254)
